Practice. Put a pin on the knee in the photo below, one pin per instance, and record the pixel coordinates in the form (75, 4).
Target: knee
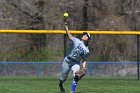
(76, 78)
(63, 78)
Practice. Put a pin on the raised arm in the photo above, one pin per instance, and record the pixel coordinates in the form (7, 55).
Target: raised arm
(67, 31)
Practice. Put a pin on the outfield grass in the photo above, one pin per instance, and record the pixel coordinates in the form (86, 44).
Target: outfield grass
(50, 85)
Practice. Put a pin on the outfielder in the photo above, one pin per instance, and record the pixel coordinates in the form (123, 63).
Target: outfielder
(79, 52)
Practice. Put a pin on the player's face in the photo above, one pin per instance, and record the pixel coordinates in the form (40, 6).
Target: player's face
(84, 37)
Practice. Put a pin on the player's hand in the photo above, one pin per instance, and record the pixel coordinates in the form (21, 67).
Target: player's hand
(66, 16)
(66, 23)
(80, 74)
(84, 68)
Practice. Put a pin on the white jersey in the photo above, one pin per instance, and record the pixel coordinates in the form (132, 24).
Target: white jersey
(79, 51)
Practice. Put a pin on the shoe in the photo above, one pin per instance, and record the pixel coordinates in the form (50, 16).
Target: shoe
(71, 92)
(61, 88)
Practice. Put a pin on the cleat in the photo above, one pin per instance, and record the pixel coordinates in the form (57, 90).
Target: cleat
(71, 92)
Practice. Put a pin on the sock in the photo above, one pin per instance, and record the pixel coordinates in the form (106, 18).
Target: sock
(74, 84)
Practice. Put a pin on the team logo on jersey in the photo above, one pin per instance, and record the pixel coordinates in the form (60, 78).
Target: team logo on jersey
(81, 48)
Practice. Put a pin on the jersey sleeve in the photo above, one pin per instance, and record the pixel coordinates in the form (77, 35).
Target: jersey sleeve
(75, 41)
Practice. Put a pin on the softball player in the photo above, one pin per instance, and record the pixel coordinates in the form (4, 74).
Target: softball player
(79, 52)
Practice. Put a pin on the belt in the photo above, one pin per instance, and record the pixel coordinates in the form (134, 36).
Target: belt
(71, 59)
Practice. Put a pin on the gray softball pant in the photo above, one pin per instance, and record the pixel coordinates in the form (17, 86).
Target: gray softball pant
(68, 65)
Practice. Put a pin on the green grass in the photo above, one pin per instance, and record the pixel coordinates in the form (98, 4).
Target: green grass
(50, 85)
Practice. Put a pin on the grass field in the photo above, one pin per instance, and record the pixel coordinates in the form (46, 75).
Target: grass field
(50, 85)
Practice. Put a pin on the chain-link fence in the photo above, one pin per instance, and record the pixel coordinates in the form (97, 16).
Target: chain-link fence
(119, 49)
(53, 69)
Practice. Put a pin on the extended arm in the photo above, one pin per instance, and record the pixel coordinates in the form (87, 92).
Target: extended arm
(67, 31)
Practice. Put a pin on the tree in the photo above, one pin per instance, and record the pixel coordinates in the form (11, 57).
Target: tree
(31, 13)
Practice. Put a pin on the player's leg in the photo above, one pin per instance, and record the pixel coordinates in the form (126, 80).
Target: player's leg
(64, 74)
(75, 68)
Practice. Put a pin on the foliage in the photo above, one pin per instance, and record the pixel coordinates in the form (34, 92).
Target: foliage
(88, 14)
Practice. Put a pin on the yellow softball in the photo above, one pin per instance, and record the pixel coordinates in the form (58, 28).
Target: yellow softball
(66, 14)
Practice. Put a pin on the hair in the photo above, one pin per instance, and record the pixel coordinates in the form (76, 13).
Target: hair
(86, 42)
(87, 34)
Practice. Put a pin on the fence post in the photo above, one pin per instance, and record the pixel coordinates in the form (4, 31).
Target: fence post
(38, 70)
(138, 56)
(90, 69)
